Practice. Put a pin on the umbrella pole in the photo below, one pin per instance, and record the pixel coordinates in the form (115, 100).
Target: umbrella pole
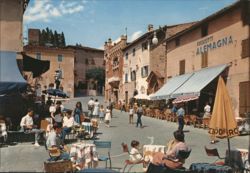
(229, 155)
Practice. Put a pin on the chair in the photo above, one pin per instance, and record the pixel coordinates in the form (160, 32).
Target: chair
(214, 152)
(104, 144)
(58, 166)
(183, 154)
(129, 162)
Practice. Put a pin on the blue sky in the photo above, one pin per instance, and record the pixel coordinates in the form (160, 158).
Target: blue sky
(92, 22)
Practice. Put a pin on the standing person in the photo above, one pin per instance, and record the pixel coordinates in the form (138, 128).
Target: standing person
(96, 108)
(131, 114)
(139, 115)
(123, 106)
(77, 112)
(180, 115)
(107, 117)
(101, 113)
(91, 106)
(174, 109)
(27, 125)
(207, 110)
(110, 104)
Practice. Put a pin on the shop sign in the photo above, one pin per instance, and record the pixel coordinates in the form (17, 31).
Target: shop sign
(209, 44)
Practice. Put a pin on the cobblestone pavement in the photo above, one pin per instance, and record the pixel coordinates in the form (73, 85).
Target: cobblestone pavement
(25, 157)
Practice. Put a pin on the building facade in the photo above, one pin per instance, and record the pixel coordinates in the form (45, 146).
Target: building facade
(113, 56)
(86, 58)
(60, 59)
(222, 38)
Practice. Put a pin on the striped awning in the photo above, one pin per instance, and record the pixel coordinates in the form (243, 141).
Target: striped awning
(185, 98)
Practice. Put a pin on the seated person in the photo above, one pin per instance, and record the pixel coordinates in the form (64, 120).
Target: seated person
(172, 159)
(68, 122)
(27, 125)
(135, 155)
(55, 146)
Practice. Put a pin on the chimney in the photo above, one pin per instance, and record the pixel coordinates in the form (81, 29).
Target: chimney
(123, 37)
(109, 42)
(150, 27)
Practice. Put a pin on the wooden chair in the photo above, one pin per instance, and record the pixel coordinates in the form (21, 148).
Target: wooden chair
(107, 145)
(214, 152)
(205, 122)
(187, 119)
(58, 166)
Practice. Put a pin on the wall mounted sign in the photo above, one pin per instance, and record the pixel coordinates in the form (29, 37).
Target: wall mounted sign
(209, 44)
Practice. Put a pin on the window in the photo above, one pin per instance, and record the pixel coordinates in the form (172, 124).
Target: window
(204, 30)
(204, 60)
(59, 58)
(126, 77)
(245, 52)
(144, 46)
(144, 71)
(244, 99)
(134, 52)
(126, 55)
(93, 62)
(38, 56)
(133, 75)
(177, 42)
(182, 67)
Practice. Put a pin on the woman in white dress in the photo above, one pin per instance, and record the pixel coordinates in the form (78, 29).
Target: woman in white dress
(96, 108)
(107, 116)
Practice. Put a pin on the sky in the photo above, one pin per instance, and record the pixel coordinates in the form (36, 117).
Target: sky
(92, 22)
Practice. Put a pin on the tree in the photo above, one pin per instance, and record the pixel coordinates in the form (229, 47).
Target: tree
(55, 43)
(63, 40)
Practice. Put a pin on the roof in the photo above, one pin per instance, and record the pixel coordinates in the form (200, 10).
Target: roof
(209, 18)
(84, 48)
(38, 47)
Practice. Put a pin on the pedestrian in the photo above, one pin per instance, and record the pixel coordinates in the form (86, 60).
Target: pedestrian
(27, 125)
(180, 115)
(131, 114)
(107, 117)
(91, 106)
(123, 106)
(77, 112)
(174, 109)
(101, 113)
(110, 104)
(139, 115)
(96, 109)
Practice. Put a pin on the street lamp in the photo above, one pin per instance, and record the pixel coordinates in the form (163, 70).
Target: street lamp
(155, 39)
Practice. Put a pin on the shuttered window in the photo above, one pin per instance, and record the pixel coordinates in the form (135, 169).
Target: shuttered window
(182, 67)
(245, 44)
(244, 97)
(204, 59)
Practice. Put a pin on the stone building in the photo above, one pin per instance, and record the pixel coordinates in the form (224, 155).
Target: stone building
(87, 58)
(217, 45)
(60, 59)
(144, 62)
(113, 57)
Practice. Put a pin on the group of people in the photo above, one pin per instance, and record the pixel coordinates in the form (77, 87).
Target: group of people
(171, 159)
(98, 111)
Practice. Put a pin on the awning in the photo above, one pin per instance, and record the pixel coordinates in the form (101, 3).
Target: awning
(198, 81)
(188, 84)
(11, 80)
(142, 96)
(37, 67)
(173, 84)
(185, 98)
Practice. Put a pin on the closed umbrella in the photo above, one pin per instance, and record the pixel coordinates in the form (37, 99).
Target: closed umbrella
(223, 123)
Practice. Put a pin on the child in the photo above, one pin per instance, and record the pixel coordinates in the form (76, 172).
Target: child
(101, 113)
(131, 114)
(107, 116)
(135, 155)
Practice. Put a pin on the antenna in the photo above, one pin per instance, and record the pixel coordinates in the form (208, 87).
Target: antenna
(126, 30)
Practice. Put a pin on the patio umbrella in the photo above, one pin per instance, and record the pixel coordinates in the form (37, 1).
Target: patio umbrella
(56, 93)
(223, 123)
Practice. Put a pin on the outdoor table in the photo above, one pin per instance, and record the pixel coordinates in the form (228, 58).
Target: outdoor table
(149, 150)
(88, 127)
(84, 153)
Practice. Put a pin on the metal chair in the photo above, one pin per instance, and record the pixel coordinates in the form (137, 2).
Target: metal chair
(107, 145)
(214, 152)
